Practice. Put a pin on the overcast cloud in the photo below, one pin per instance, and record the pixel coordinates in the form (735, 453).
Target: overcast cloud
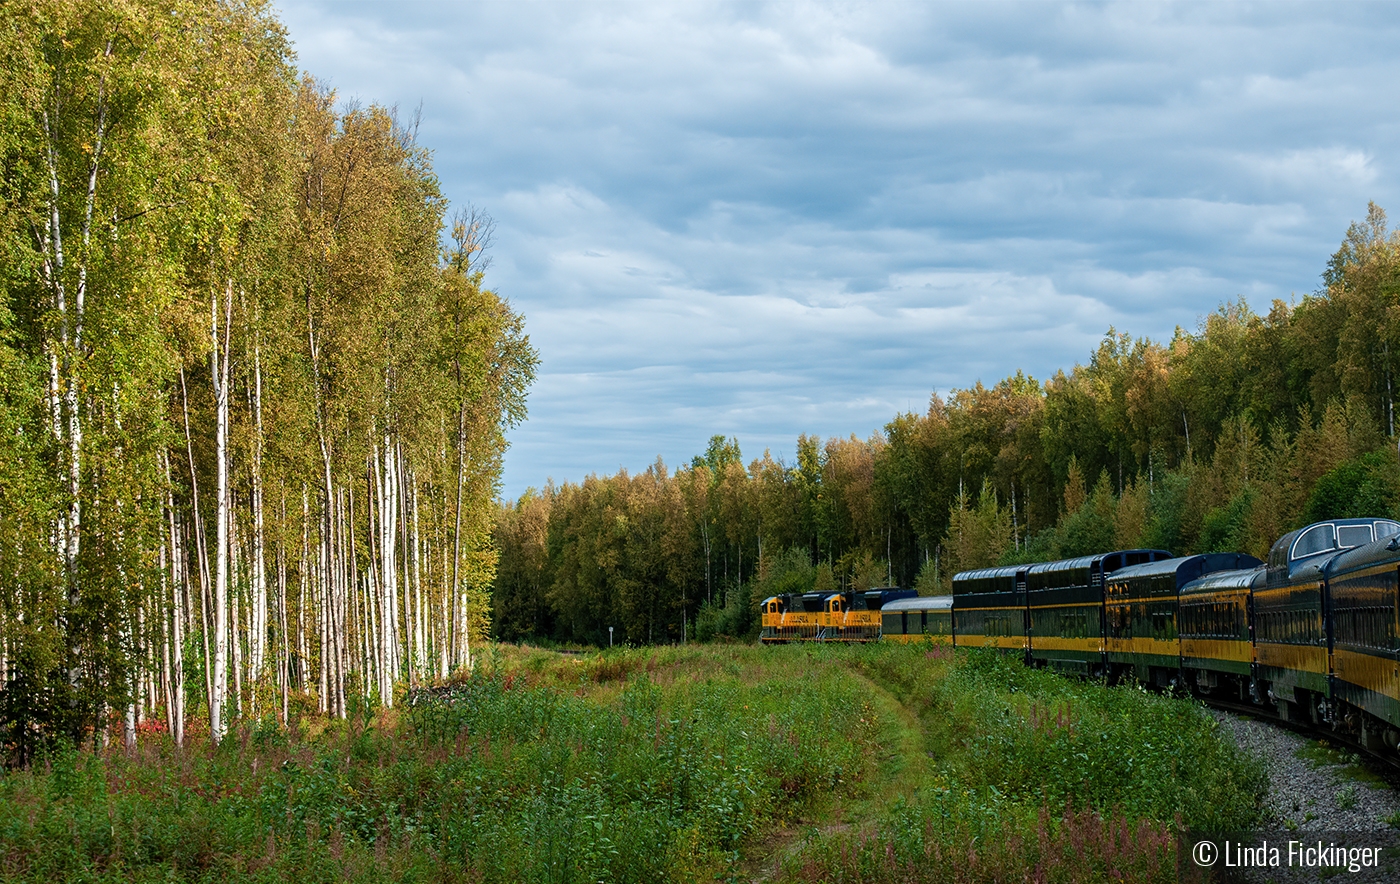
(763, 219)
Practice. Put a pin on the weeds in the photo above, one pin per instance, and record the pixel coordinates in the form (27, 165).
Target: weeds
(1346, 798)
(501, 776)
(658, 764)
(1044, 778)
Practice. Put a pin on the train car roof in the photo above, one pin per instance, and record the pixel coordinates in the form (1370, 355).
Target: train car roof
(984, 573)
(1242, 578)
(884, 592)
(1086, 562)
(1080, 562)
(1186, 568)
(987, 580)
(1383, 550)
(880, 596)
(920, 603)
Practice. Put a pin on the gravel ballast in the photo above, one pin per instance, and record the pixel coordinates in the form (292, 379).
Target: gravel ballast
(1317, 793)
(1315, 797)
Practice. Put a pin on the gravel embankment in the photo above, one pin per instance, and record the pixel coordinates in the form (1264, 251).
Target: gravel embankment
(1313, 796)
(1320, 793)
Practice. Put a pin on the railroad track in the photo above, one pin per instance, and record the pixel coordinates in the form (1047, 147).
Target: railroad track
(1260, 713)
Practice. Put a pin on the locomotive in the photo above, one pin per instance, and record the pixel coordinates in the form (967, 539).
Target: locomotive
(828, 616)
(1311, 636)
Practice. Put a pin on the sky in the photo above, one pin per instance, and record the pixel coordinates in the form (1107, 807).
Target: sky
(759, 220)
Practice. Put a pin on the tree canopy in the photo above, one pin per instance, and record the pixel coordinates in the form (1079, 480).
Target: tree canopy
(1223, 438)
(253, 408)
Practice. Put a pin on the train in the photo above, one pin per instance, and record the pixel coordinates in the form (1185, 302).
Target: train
(1311, 636)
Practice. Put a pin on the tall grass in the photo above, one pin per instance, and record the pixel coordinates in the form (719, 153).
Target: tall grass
(631, 776)
(1039, 736)
(1042, 778)
(656, 765)
(960, 839)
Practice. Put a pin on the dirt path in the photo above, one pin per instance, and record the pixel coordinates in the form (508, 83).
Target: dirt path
(902, 766)
(1313, 787)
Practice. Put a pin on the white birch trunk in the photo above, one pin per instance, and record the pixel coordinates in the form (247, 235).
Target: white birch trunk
(177, 639)
(303, 598)
(389, 572)
(419, 653)
(238, 598)
(284, 675)
(444, 637)
(174, 636)
(220, 372)
(337, 614)
(257, 638)
(322, 624)
(167, 680)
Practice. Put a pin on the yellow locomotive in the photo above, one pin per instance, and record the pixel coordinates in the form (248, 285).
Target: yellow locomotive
(852, 616)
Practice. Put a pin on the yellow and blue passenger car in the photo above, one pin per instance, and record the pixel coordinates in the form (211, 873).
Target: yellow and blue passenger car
(918, 619)
(989, 609)
(1141, 614)
(1066, 608)
(1217, 633)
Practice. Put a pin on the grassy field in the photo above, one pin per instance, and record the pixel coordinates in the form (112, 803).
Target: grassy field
(797, 764)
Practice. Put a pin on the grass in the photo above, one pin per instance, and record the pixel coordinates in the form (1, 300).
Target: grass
(803, 763)
(1350, 764)
(1034, 776)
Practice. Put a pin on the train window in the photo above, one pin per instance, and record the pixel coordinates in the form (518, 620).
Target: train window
(1353, 535)
(1385, 528)
(1315, 540)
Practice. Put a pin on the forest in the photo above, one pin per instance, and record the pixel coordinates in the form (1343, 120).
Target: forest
(1222, 439)
(253, 387)
(254, 396)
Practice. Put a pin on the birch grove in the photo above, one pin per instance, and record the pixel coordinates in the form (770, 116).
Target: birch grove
(253, 410)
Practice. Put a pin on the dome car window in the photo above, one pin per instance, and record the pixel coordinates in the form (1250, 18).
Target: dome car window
(1353, 535)
(1315, 540)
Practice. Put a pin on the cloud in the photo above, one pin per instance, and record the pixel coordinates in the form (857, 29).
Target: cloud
(764, 219)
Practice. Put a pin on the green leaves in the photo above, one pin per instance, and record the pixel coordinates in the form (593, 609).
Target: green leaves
(162, 159)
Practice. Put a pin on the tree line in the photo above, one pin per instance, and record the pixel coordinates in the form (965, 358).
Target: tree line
(253, 410)
(1222, 439)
